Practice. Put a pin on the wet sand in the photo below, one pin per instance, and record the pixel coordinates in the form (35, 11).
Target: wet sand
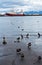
(8, 55)
(11, 28)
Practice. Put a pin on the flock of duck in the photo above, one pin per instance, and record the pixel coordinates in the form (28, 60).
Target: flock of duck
(19, 49)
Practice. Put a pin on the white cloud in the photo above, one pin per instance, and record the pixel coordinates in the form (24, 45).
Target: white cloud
(36, 2)
(26, 5)
(24, 8)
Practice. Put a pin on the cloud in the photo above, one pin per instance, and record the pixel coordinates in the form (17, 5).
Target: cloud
(26, 5)
(36, 2)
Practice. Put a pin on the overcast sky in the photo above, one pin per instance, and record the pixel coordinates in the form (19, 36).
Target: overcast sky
(26, 5)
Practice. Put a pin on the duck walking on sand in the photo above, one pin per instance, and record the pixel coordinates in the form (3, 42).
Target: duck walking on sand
(29, 45)
(38, 35)
(38, 60)
(18, 39)
(18, 51)
(4, 41)
(21, 36)
(22, 56)
(27, 35)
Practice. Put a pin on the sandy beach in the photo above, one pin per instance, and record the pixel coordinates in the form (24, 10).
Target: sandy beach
(8, 55)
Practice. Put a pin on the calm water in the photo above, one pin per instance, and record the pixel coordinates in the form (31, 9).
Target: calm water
(9, 25)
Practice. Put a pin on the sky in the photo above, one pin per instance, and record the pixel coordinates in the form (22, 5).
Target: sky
(17, 5)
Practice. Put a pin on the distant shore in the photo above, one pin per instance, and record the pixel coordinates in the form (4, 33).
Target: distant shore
(20, 15)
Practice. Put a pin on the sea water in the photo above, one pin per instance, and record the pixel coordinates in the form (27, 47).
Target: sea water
(13, 25)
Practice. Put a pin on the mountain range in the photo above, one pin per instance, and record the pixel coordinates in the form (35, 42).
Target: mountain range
(33, 12)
